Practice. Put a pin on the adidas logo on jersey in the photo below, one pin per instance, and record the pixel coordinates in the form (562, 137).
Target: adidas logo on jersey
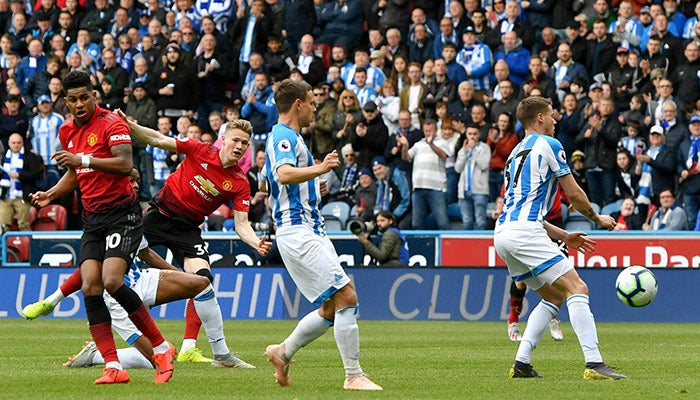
(70, 144)
(205, 165)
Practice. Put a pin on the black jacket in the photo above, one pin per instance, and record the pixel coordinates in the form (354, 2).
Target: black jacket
(31, 171)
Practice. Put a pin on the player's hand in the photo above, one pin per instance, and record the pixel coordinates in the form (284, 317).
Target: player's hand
(40, 199)
(323, 186)
(264, 246)
(606, 222)
(330, 161)
(67, 159)
(579, 241)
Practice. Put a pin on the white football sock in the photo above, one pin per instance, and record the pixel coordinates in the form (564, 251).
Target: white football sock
(307, 330)
(210, 313)
(583, 323)
(129, 357)
(347, 337)
(55, 297)
(188, 344)
(537, 324)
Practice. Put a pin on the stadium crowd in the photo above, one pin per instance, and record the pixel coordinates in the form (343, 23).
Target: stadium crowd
(418, 96)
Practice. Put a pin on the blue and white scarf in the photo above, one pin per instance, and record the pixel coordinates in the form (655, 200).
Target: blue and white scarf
(645, 188)
(14, 162)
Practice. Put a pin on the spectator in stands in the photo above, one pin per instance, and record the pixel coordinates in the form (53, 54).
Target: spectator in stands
(161, 158)
(676, 19)
(342, 23)
(346, 117)
(576, 38)
(246, 82)
(627, 30)
(401, 169)
(420, 44)
(173, 80)
(568, 122)
(399, 72)
(43, 132)
(20, 171)
(621, 77)
(674, 128)
(689, 27)
(310, 65)
(211, 27)
(111, 68)
(627, 219)
(501, 141)
(475, 58)
(247, 41)
(388, 103)
(538, 78)
(97, 20)
(478, 118)
(20, 33)
(578, 158)
(125, 53)
(213, 70)
(472, 163)
(689, 166)
(439, 88)
(516, 55)
(38, 84)
(669, 217)
(632, 142)
(365, 195)
(411, 95)
(687, 90)
(454, 140)
(657, 168)
(512, 22)
(67, 29)
(447, 35)
(260, 109)
(599, 138)
(389, 195)
(429, 181)
(56, 96)
(144, 76)
(89, 52)
(670, 45)
(41, 27)
(258, 211)
(34, 61)
(460, 109)
(600, 50)
(393, 248)
(299, 20)
(12, 120)
(508, 101)
(371, 135)
(547, 47)
(275, 58)
(626, 181)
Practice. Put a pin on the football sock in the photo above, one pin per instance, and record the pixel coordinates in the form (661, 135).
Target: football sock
(347, 337)
(72, 284)
(309, 328)
(537, 324)
(130, 357)
(210, 314)
(101, 327)
(55, 297)
(139, 315)
(583, 323)
(192, 325)
(517, 296)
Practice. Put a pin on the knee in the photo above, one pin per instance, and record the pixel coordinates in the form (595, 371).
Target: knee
(91, 288)
(112, 283)
(580, 287)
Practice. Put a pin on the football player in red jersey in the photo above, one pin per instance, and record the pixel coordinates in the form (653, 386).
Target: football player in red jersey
(207, 178)
(97, 156)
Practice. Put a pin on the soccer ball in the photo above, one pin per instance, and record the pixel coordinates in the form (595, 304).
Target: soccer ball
(636, 286)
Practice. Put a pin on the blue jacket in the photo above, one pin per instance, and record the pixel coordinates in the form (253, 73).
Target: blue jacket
(24, 71)
(518, 62)
(346, 20)
(263, 113)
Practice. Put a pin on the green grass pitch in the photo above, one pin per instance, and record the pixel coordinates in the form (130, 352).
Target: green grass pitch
(411, 360)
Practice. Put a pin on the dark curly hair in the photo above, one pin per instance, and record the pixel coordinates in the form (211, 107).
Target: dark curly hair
(77, 79)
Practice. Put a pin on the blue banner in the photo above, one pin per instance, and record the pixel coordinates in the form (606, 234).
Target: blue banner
(439, 294)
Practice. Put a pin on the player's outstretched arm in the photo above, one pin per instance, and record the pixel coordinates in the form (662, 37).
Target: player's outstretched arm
(147, 135)
(577, 197)
(290, 175)
(574, 240)
(65, 185)
(247, 234)
(154, 260)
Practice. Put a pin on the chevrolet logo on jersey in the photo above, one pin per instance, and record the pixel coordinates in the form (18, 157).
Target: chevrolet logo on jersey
(206, 185)
(92, 139)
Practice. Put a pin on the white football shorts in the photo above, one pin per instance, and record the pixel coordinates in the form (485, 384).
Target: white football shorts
(146, 287)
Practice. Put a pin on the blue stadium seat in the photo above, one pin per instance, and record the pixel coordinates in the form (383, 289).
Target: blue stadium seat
(336, 215)
(611, 208)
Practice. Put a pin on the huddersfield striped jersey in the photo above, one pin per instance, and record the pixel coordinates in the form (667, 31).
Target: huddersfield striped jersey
(133, 274)
(44, 136)
(530, 179)
(292, 204)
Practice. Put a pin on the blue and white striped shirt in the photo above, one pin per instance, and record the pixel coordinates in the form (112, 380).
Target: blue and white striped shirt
(292, 204)
(531, 176)
(161, 171)
(43, 133)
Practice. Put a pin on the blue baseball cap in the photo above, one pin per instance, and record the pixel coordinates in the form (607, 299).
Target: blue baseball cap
(694, 119)
(380, 160)
(43, 99)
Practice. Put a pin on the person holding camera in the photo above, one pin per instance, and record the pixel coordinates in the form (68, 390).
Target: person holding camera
(393, 247)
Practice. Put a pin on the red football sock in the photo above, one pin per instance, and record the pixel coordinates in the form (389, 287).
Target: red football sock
(143, 320)
(72, 284)
(102, 335)
(516, 307)
(192, 321)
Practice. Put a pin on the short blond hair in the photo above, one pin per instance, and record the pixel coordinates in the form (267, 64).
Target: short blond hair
(241, 124)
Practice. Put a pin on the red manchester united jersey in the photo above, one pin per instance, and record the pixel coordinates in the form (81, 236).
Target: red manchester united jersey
(101, 191)
(201, 184)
